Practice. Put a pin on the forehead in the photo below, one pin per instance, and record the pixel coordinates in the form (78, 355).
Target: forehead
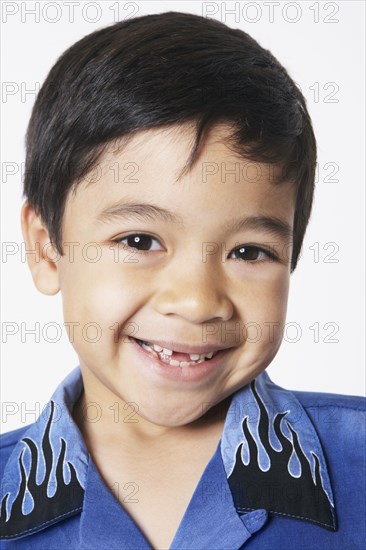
(148, 166)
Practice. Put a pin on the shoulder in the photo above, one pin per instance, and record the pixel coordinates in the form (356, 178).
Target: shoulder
(335, 400)
(8, 441)
(332, 408)
(340, 421)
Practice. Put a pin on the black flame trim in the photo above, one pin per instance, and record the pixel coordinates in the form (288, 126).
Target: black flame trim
(66, 501)
(276, 490)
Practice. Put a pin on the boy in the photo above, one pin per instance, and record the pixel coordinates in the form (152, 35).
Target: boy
(170, 434)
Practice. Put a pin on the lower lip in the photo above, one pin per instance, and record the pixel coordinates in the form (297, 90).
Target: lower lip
(195, 373)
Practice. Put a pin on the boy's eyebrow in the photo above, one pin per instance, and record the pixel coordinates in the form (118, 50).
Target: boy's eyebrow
(141, 211)
(149, 212)
(269, 224)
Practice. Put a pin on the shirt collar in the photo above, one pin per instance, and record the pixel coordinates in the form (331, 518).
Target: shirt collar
(44, 478)
(270, 452)
(272, 456)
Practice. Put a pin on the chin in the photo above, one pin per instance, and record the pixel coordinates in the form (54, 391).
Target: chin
(169, 418)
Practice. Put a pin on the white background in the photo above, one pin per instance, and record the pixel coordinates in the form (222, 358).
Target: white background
(321, 44)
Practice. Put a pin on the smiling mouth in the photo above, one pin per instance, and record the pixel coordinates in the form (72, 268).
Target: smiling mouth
(173, 358)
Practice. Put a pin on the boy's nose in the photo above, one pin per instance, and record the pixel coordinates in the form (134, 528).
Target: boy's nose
(196, 294)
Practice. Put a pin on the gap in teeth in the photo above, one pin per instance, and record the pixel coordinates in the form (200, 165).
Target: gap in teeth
(164, 355)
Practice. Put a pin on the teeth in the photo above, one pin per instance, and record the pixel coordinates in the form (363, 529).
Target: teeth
(192, 356)
(174, 363)
(196, 358)
(148, 348)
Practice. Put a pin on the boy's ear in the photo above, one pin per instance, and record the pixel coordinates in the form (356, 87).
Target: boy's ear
(42, 256)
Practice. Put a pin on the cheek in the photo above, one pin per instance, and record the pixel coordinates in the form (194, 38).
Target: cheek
(265, 314)
(276, 296)
(98, 300)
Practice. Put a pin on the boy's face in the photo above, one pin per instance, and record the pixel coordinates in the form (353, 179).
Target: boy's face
(202, 281)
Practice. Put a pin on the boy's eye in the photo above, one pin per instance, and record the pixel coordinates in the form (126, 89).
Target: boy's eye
(144, 243)
(140, 241)
(251, 253)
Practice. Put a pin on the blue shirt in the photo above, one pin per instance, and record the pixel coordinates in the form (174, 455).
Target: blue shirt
(288, 472)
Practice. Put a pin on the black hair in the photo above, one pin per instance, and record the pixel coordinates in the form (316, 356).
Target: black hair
(158, 70)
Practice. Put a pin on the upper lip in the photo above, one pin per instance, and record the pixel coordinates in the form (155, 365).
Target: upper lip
(185, 348)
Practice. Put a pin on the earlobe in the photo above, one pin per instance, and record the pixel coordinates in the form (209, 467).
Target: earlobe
(42, 256)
